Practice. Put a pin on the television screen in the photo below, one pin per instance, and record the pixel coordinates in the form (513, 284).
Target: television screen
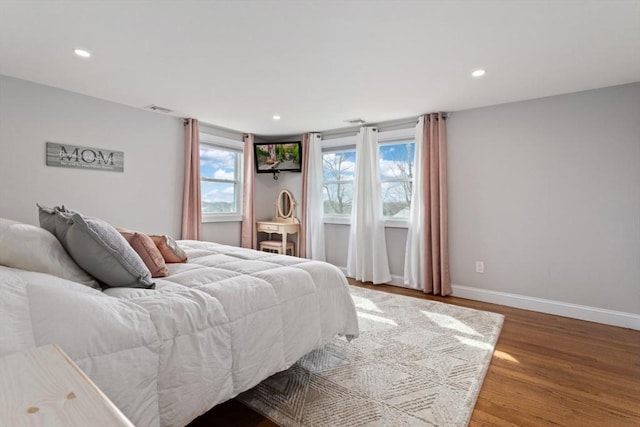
(277, 156)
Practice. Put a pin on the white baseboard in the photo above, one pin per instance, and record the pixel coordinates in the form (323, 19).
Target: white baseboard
(558, 308)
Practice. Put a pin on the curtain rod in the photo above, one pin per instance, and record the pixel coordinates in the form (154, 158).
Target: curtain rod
(380, 126)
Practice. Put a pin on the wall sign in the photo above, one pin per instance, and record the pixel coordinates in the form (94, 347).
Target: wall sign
(75, 156)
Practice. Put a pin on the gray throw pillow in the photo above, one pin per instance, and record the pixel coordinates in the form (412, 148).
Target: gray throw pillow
(97, 247)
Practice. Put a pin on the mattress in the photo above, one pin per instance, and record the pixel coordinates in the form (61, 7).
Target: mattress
(215, 327)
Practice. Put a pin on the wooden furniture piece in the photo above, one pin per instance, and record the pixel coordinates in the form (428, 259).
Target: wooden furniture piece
(43, 387)
(276, 246)
(284, 222)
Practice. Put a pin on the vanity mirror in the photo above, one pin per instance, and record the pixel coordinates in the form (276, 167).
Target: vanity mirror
(285, 207)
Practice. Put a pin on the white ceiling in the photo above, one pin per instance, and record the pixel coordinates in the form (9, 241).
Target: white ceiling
(235, 64)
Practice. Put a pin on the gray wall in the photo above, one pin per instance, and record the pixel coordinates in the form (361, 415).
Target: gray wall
(147, 196)
(337, 248)
(266, 192)
(227, 233)
(547, 193)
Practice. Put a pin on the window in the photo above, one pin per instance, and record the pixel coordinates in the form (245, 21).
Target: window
(220, 180)
(338, 168)
(396, 177)
(396, 157)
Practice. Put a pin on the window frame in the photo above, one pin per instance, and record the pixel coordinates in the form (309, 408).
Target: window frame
(237, 147)
(349, 143)
(396, 138)
(337, 145)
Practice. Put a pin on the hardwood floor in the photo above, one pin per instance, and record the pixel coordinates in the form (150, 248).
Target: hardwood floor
(546, 370)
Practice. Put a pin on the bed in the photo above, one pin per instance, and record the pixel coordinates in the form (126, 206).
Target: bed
(216, 326)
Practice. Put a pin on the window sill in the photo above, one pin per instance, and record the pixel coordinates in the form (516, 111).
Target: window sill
(388, 223)
(345, 220)
(221, 218)
(396, 223)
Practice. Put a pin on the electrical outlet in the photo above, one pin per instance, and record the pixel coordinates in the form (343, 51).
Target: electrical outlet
(479, 266)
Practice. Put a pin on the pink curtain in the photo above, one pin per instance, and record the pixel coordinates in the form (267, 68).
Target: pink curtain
(302, 250)
(191, 203)
(248, 233)
(434, 198)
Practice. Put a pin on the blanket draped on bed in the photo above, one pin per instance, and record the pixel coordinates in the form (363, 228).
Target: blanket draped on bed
(216, 326)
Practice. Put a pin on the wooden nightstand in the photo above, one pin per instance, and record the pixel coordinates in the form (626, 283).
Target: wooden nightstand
(43, 387)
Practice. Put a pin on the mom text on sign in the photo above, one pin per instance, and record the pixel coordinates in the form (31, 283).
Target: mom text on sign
(76, 156)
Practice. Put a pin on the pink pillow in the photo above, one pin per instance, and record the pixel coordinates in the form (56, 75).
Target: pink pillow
(145, 247)
(169, 249)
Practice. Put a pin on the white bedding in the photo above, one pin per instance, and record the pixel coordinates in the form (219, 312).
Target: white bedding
(216, 326)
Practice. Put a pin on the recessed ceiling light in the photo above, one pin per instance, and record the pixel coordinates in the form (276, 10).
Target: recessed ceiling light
(276, 117)
(82, 53)
(478, 73)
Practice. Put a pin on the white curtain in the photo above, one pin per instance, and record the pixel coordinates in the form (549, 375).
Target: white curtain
(415, 243)
(314, 225)
(367, 258)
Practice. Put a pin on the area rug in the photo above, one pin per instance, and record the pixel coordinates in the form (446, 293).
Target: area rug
(416, 363)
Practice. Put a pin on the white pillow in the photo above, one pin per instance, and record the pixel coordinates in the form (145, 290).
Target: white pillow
(32, 248)
(5, 223)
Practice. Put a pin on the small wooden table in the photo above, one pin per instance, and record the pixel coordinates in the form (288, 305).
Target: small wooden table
(43, 387)
(282, 228)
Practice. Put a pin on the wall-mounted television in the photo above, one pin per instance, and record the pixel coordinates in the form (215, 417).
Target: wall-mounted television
(275, 157)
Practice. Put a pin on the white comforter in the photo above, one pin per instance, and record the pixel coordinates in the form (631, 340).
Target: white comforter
(213, 328)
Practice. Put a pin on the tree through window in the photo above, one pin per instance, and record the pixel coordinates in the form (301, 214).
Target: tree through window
(338, 168)
(397, 169)
(396, 177)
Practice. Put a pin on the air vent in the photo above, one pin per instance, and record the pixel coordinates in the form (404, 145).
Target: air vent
(153, 107)
(356, 121)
